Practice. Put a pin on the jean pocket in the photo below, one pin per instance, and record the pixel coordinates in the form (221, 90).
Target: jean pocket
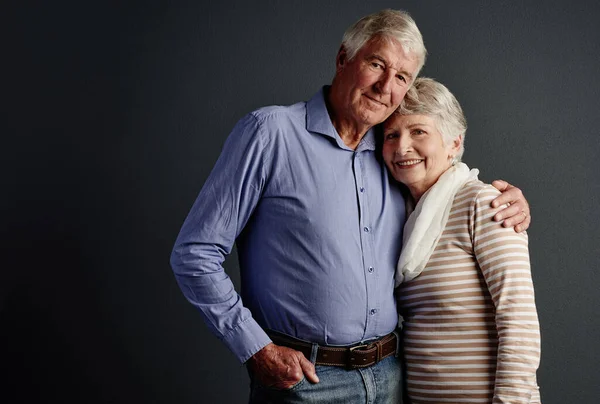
(292, 388)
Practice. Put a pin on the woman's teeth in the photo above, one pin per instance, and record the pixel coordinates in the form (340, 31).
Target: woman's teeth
(408, 163)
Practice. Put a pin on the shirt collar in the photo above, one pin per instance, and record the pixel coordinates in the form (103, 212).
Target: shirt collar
(318, 121)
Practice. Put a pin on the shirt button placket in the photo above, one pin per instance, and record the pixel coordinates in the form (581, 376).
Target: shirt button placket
(366, 241)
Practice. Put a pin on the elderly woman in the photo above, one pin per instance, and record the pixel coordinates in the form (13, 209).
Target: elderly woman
(465, 291)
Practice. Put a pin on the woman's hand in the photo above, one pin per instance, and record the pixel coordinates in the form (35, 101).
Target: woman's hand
(517, 214)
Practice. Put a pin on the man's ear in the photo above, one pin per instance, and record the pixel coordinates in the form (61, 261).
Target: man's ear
(341, 59)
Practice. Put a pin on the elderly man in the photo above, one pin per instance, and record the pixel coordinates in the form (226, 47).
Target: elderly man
(318, 225)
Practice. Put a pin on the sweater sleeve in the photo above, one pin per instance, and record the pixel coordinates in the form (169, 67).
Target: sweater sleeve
(503, 256)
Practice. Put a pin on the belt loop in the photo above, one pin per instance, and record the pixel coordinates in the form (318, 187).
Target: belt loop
(313, 352)
(398, 347)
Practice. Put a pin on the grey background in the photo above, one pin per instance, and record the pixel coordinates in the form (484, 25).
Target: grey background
(116, 112)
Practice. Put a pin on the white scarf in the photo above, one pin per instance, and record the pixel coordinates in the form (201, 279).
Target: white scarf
(427, 222)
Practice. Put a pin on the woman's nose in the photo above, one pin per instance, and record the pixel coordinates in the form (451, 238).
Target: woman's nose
(404, 145)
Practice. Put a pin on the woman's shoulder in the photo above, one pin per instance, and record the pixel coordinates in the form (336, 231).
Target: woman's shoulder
(477, 190)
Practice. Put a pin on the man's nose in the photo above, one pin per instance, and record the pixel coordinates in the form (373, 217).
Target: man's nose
(385, 82)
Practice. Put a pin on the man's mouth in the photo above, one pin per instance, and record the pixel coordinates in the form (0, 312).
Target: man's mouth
(373, 100)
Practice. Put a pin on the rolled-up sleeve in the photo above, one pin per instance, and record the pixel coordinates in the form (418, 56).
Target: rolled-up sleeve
(208, 234)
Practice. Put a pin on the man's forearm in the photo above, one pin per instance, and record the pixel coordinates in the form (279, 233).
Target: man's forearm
(206, 285)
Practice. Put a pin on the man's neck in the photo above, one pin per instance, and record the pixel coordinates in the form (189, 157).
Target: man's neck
(349, 131)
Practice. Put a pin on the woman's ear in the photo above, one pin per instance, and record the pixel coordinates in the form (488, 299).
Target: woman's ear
(456, 144)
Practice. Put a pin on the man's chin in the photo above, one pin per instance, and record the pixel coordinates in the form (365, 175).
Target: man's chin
(375, 118)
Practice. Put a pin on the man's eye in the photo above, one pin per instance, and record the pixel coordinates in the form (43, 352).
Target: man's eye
(376, 65)
(401, 78)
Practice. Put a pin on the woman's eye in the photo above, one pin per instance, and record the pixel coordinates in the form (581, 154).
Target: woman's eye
(391, 136)
(418, 132)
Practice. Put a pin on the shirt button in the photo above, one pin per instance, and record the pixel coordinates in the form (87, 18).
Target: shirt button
(362, 189)
(370, 269)
(373, 311)
(366, 229)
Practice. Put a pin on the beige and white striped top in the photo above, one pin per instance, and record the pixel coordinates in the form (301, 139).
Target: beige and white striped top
(471, 332)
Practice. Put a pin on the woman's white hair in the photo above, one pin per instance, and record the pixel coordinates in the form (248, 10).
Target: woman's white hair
(429, 97)
(395, 24)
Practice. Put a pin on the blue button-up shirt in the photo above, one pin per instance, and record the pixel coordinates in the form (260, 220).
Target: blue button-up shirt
(318, 231)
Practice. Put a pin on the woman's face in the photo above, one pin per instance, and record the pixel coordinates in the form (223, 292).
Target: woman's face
(414, 151)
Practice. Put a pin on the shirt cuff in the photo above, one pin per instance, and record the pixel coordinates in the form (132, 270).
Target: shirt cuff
(246, 339)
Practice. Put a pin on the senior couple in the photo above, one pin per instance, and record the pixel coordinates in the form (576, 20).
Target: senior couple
(332, 245)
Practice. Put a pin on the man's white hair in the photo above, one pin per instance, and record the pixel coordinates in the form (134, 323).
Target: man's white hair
(395, 24)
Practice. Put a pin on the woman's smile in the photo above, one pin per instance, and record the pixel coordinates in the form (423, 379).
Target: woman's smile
(404, 164)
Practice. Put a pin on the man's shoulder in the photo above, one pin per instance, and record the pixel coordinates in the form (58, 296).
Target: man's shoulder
(281, 114)
(266, 124)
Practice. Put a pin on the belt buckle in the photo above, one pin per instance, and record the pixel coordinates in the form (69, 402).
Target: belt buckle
(352, 361)
(354, 348)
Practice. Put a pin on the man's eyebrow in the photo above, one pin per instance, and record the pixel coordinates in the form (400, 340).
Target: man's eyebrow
(407, 74)
(378, 57)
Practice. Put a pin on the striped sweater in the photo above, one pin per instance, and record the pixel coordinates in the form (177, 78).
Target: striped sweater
(471, 332)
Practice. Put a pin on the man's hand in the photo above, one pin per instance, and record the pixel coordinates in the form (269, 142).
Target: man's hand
(517, 213)
(281, 367)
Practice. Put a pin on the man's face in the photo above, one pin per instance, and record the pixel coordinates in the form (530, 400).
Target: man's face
(375, 81)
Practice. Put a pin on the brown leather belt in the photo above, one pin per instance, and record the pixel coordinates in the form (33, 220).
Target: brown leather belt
(359, 356)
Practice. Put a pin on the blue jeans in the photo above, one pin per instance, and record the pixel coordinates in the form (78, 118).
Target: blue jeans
(377, 384)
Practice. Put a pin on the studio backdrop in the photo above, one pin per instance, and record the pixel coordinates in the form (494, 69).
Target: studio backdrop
(117, 112)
